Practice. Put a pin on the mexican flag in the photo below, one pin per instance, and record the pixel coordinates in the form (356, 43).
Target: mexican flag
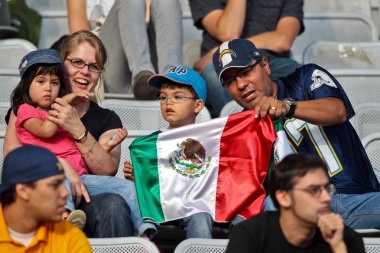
(217, 167)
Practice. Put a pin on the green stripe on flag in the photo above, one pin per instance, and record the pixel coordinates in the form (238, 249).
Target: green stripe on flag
(144, 160)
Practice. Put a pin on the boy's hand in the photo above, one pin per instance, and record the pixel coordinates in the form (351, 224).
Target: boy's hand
(332, 227)
(128, 171)
(77, 96)
(115, 139)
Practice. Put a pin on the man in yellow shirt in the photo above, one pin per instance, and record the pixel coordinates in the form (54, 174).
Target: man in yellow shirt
(33, 198)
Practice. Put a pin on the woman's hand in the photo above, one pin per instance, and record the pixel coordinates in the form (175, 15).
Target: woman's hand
(115, 139)
(78, 190)
(128, 171)
(66, 117)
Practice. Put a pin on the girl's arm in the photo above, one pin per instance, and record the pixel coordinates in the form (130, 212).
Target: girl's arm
(40, 128)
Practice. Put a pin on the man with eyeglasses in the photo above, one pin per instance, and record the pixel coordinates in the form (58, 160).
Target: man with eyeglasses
(315, 113)
(300, 189)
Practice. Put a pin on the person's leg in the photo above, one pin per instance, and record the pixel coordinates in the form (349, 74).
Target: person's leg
(217, 95)
(108, 215)
(69, 200)
(281, 67)
(126, 189)
(167, 19)
(198, 225)
(359, 211)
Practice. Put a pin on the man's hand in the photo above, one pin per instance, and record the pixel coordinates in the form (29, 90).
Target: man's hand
(78, 189)
(272, 107)
(128, 171)
(332, 227)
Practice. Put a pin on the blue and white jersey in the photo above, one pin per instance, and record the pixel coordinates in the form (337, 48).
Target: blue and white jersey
(339, 146)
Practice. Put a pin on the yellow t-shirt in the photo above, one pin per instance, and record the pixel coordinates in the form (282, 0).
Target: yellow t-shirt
(59, 237)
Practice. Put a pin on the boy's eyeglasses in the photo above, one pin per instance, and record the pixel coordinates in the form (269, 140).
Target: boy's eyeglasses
(174, 99)
(316, 190)
(242, 73)
(78, 63)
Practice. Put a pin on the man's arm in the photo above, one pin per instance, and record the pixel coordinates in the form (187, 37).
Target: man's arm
(226, 24)
(282, 38)
(323, 112)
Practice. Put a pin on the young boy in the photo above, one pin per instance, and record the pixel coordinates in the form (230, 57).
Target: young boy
(182, 96)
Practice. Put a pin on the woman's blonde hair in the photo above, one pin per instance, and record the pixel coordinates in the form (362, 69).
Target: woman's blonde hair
(75, 39)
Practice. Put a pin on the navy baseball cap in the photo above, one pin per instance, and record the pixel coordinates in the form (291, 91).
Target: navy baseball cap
(181, 75)
(39, 56)
(236, 53)
(28, 163)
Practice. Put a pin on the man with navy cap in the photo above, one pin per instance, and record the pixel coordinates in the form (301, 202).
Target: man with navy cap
(33, 199)
(315, 113)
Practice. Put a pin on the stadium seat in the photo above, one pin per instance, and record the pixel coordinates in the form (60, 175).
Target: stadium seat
(367, 119)
(202, 245)
(230, 108)
(361, 85)
(122, 244)
(356, 6)
(12, 51)
(4, 107)
(343, 55)
(143, 115)
(372, 245)
(334, 26)
(371, 144)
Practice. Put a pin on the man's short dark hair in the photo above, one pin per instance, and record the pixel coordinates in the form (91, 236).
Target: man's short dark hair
(8, 197)
(285, 174)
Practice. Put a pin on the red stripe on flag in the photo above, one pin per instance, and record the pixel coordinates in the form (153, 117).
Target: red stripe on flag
(245, 150)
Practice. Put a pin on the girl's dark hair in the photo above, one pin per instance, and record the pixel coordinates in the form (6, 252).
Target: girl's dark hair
(20, 94)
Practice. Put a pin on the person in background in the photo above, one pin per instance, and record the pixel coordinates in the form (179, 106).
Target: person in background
(33, 198)
(272, 25)
(300, 189)
(125, 36)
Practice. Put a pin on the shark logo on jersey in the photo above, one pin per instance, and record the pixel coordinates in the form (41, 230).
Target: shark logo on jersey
(319, 78)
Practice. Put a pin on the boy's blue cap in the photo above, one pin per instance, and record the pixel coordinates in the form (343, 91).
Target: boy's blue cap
(28, 163)
(236, 53)
(181, 75)
(39, 56)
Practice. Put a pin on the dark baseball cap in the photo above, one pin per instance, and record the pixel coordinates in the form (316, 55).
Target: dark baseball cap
(28, 163)
(181, 75)
(236, 53)
(39, 56)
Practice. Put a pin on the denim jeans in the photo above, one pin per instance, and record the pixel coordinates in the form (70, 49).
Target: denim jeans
(126, 189)
(198, 225)
(359, 211)
(108, 215)
(218, 96)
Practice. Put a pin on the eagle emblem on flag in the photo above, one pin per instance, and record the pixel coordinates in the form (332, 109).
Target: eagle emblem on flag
(190, 160)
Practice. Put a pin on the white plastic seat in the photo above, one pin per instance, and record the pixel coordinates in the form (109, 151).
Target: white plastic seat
(230, 108)
(196, 245)
(356, 6)
(12, 51)
(371, 144)
(122, 244)
(143, 115)
(334, 26)
(367, 119)
(372, 245)
(343, 55)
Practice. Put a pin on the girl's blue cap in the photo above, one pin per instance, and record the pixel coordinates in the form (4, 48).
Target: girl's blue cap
(39, 56)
